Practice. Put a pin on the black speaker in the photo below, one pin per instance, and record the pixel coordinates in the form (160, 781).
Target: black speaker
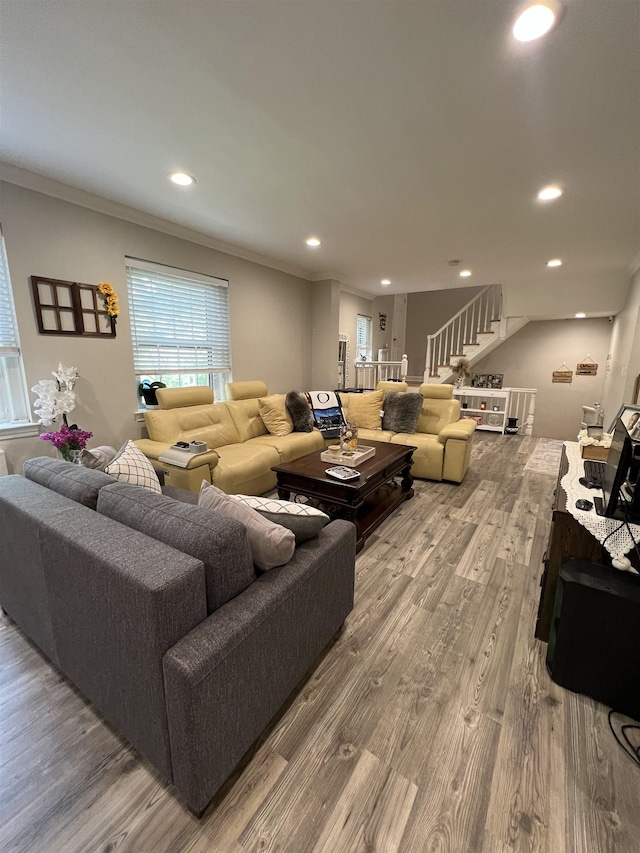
(594, 644)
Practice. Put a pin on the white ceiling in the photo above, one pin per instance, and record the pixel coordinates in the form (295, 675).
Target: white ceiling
(403, 134)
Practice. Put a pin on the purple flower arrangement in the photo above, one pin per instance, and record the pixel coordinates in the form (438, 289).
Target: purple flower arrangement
(67, 438)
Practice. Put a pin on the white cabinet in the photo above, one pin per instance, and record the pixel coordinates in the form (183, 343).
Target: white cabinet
(488, 406)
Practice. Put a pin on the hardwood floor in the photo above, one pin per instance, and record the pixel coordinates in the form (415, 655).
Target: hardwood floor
(430, 725)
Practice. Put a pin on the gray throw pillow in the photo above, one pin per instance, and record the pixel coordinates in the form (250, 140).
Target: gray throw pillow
(301, 415)
(98, 457)
(304, 520)
(401, 411)
(271, 544)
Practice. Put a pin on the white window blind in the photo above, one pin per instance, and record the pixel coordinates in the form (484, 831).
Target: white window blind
(179, 325)
(363, 338)
(14, 405)
(8, 331)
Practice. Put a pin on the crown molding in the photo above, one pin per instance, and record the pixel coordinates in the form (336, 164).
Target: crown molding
(345, 287)
(48, 186)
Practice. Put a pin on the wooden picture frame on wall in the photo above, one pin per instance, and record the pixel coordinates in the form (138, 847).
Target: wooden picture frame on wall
(70, 308)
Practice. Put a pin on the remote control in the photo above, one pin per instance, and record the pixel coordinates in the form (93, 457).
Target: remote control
(341, 472)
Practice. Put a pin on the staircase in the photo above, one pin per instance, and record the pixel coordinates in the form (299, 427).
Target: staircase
(476, 330)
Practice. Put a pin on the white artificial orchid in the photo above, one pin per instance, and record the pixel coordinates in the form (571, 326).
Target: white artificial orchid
(55, 398)
(66, 376)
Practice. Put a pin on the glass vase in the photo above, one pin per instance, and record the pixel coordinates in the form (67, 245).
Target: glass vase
(349, 439)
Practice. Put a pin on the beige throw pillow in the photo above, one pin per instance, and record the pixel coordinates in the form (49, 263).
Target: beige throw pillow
(274, 414)
(271, 544)
(364, 410)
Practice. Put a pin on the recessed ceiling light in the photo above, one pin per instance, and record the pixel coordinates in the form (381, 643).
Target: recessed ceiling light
(550, 192)
(554, 262)
(465, 273)
(385, 281)
(182, 179)
(313, 241)
(581, 315)
(533, 23)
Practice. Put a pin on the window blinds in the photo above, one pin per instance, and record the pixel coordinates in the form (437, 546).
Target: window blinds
(179, 320)
(363, 335)
(8, 331)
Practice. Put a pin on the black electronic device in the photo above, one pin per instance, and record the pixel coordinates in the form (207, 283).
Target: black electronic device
(593, 474)
(583, 504)
(594, 645)
(620, 491)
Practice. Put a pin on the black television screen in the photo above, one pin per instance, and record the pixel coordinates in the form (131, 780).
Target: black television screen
(620, 489)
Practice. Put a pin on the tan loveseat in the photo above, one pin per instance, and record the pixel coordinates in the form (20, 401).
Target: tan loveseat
(442, 440)
(241, 449)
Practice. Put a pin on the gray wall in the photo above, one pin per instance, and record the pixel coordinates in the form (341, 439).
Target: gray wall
(426, 313)
(528, 359)
(270, 310)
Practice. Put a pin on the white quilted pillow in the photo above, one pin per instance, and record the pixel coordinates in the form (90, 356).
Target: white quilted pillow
(130, 465)
(304, 520)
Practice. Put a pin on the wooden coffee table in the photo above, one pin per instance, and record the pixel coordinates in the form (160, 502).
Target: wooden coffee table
(366, 501)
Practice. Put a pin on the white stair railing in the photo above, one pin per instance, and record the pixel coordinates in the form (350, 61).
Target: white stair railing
(522, 405)
(369, 373)
(462, 329)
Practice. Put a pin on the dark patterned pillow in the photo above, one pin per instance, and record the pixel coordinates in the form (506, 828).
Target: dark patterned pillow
(401, 411)
(298, 407)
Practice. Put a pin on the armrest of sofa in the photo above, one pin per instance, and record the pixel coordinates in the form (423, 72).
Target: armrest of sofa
(229, 676)
(461, 430)
(154, 449)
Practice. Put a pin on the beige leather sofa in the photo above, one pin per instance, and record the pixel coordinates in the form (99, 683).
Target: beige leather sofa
(442, 441)
(241, 450)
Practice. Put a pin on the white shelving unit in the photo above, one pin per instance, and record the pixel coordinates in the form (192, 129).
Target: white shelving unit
(491, 405)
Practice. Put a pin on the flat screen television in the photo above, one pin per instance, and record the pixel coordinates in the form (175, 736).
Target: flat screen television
(620, 476)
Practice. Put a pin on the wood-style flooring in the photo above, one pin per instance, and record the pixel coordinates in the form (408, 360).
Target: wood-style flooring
(430, 725)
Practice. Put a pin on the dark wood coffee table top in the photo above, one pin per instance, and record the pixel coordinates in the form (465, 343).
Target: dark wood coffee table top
(366, 501)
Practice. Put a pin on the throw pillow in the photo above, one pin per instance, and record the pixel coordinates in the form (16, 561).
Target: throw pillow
(401, 411)
(298, 407)
(274, 414)
(304, 520)
(98, 457)
(364, 410)
(130, 465)
(271, 544)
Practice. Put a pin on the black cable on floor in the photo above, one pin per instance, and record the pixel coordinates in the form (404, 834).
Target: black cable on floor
(628, 748)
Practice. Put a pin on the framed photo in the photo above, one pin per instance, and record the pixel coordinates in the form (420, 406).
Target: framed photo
(630, 417)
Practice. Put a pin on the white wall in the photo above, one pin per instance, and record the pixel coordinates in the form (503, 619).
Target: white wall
(528, 359)
(426, 313)
(382, 337)
(270, 310)
(624, 351)
(324, 335)
(350, 306)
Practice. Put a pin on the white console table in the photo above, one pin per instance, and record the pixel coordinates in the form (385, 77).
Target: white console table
(500, 404)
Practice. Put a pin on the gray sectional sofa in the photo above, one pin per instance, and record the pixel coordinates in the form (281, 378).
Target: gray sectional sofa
(152, 608)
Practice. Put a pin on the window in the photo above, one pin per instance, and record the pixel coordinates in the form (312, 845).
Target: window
(14, 405)
(363, 338)
(179, 327)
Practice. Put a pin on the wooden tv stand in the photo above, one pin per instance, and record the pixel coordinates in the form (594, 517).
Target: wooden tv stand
(568, 538)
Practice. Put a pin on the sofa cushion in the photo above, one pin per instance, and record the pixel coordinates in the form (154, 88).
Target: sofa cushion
(401, 411)
(73, 481)
(274, 414)
(219, 543)
(303, 519)
(271, 544)
(98, 457)
(428, 456)
(300, 411)
(212, 424)
(241, 464)
(293, 445)
(130, 465)
(364, 409)
(246, 417)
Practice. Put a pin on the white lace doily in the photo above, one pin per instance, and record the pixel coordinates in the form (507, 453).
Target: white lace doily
(616, 533)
